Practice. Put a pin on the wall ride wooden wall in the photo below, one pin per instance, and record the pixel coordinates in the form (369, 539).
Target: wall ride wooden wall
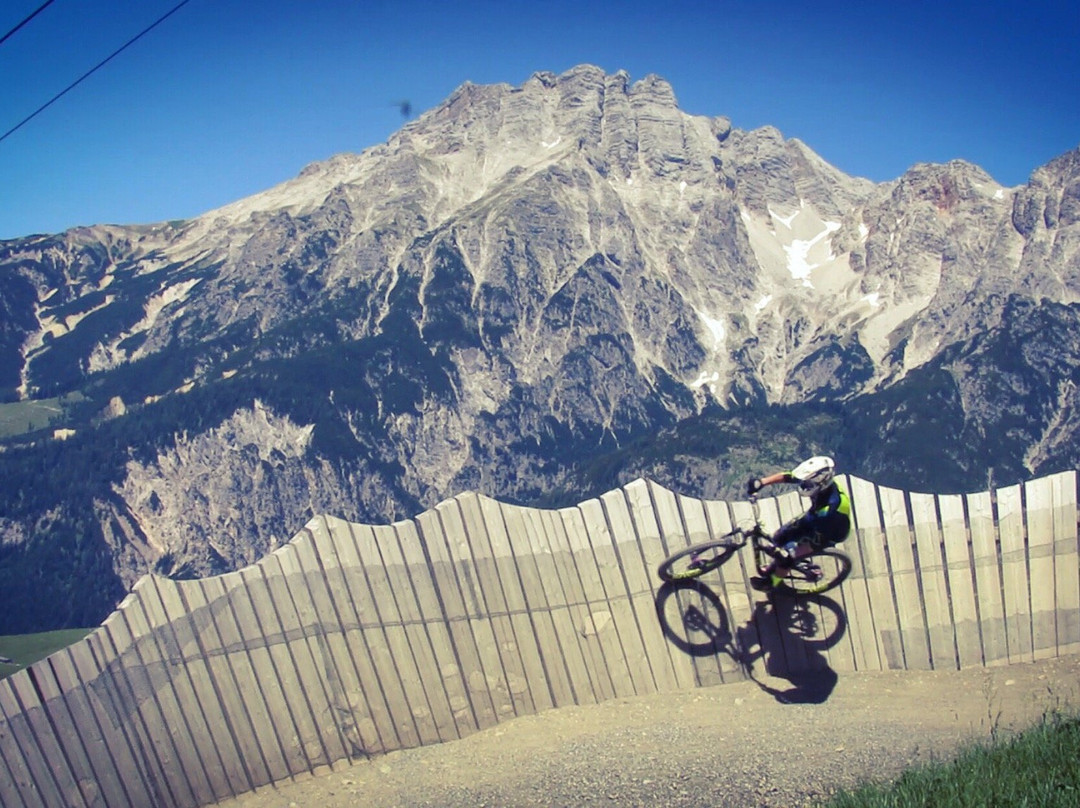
(353, 640)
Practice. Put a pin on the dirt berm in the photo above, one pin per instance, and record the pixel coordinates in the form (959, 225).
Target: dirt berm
(769, 742)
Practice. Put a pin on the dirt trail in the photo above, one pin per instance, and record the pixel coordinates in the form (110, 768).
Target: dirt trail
(775, 742)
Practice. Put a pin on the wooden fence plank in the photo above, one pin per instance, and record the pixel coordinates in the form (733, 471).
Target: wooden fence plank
(1066, 562)
(652, 550)
(802, 624)
(537, 690)
(319, 611)
(567, 607)
(516, 698)
(215, 731)
(871, 546)
(45, 776)
(56, 736)
(599, 616)
(674, 536)
(854, 595)
(1014, 572)
(638, 571)
(773, 648)
(168, 677)
(781, 623)
(961, 579)
(80, 735)
(113, 686)
(618, 597)
(741, 634)
(358, 693)
(182, 673)
(389, 645)
(556, 670)
(367, 641)
(422, 609)
(931, 571)
(461, 607)
(143, 672)
(260, 624)
(909, 607)
(1039, 515)
(253, 667)
(232, 678)
(17, 785)
(556, 600)
(987, 569)
(710, 669)
(291, 593)
(571, 592)
(490, 677)
(111, 731)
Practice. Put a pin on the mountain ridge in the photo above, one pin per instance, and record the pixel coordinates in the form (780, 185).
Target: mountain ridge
(520, 283)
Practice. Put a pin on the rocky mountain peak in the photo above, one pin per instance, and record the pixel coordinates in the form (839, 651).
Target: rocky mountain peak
(520, 285)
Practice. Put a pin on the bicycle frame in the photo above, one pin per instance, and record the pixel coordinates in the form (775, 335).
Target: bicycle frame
(758, 533)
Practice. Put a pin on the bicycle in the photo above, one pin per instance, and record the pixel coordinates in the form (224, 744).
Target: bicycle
(812, 574)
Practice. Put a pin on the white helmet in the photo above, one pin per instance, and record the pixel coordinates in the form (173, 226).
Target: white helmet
(814, 475)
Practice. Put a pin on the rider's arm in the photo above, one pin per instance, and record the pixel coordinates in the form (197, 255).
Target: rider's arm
(779, 477)
(755, 484)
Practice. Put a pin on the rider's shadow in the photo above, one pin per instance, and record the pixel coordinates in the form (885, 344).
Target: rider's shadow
(789, 636)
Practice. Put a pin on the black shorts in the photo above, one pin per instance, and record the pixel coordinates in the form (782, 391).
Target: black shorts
(819, 532)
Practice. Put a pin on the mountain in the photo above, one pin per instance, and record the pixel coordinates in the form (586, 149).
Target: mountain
(535, 292)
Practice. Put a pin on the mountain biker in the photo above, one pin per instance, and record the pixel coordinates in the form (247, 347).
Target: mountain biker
(826, 522)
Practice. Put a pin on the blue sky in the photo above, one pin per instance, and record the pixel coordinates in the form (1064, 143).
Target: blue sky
(230, 97)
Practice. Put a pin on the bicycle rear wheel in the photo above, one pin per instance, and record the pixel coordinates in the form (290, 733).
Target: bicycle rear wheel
(816, 573)
(697, 559)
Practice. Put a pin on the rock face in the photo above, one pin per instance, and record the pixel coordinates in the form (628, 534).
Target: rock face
(520, 282)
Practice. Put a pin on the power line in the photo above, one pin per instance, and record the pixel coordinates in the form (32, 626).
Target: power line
(92, 70)
(41, 8)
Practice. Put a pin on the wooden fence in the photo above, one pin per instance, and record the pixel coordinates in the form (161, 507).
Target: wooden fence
(354, 640)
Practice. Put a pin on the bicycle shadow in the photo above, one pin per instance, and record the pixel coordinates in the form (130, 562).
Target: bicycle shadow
(792, 640)
(701, 628)
(788, 636)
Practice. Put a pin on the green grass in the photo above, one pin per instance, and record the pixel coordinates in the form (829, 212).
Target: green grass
(26, 649)
(1040, 767)
(20, 417)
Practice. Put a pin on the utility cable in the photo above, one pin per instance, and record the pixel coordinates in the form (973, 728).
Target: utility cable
(40, 9)
(93, 70)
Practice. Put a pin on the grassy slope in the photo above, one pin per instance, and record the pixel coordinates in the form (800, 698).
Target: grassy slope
(1037, 768)
(25, 649)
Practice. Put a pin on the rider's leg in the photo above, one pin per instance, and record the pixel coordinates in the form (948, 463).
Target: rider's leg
(791, 542)
(785, 560)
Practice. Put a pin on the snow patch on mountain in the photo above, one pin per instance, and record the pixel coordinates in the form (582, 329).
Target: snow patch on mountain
(716, 328)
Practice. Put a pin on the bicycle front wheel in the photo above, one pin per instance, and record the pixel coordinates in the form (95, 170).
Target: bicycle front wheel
(697, 559)
(817, 573)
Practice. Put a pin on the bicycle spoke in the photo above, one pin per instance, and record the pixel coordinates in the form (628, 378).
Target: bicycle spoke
(695, 561)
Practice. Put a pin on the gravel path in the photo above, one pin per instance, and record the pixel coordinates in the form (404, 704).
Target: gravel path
(768, 743)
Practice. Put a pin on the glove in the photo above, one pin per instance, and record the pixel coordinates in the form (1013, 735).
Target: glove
(753, 485)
